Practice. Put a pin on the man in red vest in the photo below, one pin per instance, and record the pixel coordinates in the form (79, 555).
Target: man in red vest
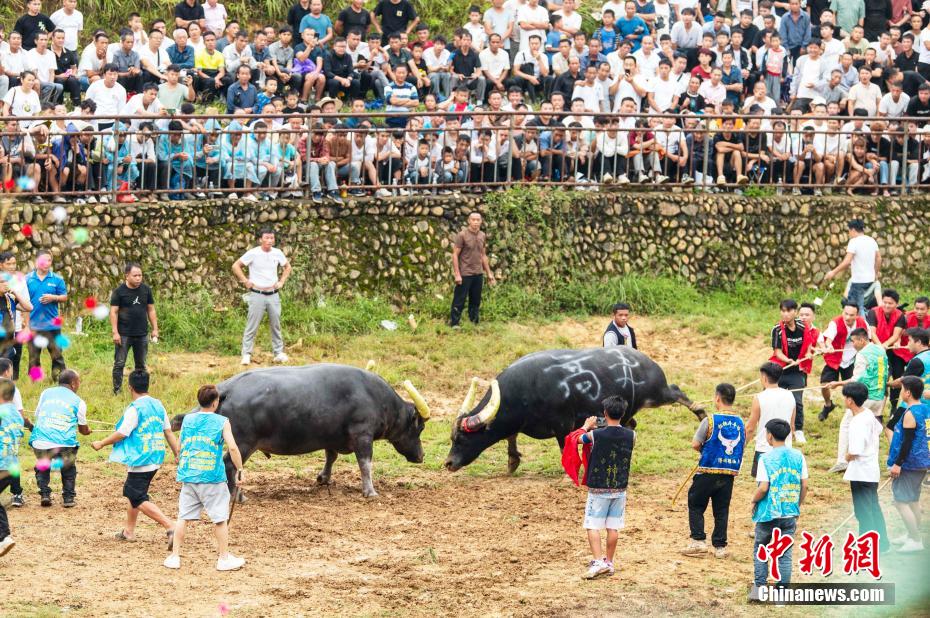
(792, 340)
(919, 317)
(839, 363)
(888, 323)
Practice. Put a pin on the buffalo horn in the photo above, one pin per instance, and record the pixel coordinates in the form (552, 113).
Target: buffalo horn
(489, 411)
(469, 402)
(418, 401)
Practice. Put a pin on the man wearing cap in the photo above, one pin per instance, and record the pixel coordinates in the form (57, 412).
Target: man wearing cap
(864, 261)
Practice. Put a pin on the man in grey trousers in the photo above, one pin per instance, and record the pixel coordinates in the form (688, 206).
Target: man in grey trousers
(263, 284)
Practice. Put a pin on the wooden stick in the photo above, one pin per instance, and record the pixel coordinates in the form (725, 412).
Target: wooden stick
(235, 499)
(683, 483)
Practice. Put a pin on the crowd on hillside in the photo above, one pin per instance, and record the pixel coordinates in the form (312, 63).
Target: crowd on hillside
(520, 91)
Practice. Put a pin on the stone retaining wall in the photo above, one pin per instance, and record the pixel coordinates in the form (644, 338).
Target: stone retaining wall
(401, 246)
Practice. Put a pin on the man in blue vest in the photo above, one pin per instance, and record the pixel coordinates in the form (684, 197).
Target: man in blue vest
(11, 432)
(619, 331)
(203, 474)
(782, 485)
(720, 439)
(607, 476)
(60, 415)
(46, 291)
(139, 444)
(909, 460)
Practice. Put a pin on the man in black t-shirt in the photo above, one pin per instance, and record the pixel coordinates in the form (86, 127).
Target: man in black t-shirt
(187, 12)
(919, 106)
(33, 22)
(132, 307)
(392, 16)
(353, 17)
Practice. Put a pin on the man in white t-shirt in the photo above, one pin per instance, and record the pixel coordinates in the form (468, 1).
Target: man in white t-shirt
(862, 470)
(495, 63)
(864, 95)
(894, 103)
(69, 19)
(773, 402)
(43, 63)
(263, 284)
(532, 19)
(864, 262)
(109, 96)
(500, 21)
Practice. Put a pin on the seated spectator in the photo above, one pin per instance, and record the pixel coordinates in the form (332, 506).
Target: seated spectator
(242, 96)
(308, 64)
(173, 92)
(180, 53)
(90, 67)
(153, 59)
(466, 69)
(321, 163)
(729, 153)
(531, 71)
(210, 70)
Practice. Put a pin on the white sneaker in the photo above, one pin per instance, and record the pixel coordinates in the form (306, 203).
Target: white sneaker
(799, 438)
(659, 179)
(721, 180)
(281, 358)
(623, 179)
(720, 552)
(607, 179)
(251, 197)
(382, 192)
(899, 540)
(610, 567)
(246, 359)
(229, 563)
(91, 200)
(233, 196)
(172, 562)
(695, 548)
(104, 199)
(6, 545)
(595, 568)
(910, 546)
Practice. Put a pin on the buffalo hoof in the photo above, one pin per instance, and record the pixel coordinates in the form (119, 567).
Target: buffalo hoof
(370, 494)
(241, 499)
(512, 464)
(322, 479)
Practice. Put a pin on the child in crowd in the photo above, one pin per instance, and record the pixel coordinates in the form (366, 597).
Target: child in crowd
(419, 167)
(476, 29)
(6, 372)
(289, 159)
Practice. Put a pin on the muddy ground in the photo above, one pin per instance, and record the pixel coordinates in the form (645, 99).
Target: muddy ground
(432, 543)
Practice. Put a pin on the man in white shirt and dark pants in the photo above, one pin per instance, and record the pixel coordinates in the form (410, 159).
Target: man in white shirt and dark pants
(864, 262)
(263, 284)
(862, 472)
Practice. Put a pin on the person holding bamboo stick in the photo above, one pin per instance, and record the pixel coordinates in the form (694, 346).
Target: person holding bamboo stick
(794, 340)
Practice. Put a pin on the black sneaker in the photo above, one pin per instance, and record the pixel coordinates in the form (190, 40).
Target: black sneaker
(117, 390)
(826, 411)
(18, 500)
(46, 501)
(69, 502)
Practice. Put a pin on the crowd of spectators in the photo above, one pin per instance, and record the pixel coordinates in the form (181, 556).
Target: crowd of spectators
(814, 96)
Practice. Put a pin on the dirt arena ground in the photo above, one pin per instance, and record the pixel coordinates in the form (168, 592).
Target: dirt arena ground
(432, 544)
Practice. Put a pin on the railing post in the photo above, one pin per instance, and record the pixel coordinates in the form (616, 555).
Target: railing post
(510, 145)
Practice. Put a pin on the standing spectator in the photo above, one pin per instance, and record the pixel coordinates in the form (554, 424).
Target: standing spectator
(795, 29)
(353, 17)
(864, 261)
(470, 264)
(60, 414)
(862, 470)
(20, 304)
(33, 22)
(849, 13)
(499, 20)
(132, 307)
(214, 16)
(782, 485)
(187, 12)
(908, 461)
(296, 14)
(532, 19)
(394, 16)
(263, 284)
(319, 22)
(71, 21)
(47, 290)
(632, 27)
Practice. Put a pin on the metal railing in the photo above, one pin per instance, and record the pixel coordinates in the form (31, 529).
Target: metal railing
(333, 156)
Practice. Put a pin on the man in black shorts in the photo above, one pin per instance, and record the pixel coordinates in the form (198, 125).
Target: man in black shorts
(139, 441)
(838, 364)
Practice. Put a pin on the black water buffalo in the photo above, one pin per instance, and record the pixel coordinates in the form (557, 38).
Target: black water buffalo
(336, 408)
(548, 394)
